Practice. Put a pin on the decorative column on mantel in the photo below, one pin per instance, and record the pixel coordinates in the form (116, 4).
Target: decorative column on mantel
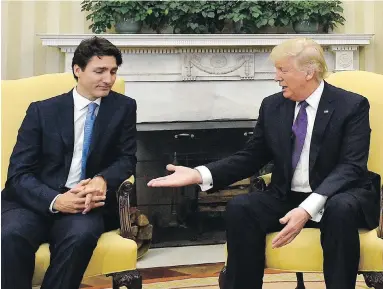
(160, 69)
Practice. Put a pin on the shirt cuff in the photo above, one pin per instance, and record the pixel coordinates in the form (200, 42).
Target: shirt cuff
(314, 205)
(53, 211)
(207, 178)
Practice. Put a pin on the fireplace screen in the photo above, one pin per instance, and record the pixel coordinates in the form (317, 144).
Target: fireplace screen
(186, 216)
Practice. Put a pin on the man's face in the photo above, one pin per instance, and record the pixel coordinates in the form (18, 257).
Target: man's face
(97, 78)
(292, 80)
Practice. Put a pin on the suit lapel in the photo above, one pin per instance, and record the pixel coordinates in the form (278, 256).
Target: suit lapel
(287, 109)
(324, 113)
(102, 121)
(65, 117)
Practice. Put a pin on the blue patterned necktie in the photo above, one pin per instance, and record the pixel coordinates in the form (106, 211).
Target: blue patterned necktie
(88, 129)
(299, 131)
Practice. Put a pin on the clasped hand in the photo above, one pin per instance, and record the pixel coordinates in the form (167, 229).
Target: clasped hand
(85, 196)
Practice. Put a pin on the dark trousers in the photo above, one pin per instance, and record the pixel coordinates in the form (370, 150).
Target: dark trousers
(72, 239)
(251, 216)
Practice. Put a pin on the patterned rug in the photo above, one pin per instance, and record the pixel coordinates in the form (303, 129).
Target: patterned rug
(206, 277)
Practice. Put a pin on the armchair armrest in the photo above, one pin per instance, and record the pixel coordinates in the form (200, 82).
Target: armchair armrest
(380, 228)
(266, 178)
(261, 182)
(123, 199)
(133, 224)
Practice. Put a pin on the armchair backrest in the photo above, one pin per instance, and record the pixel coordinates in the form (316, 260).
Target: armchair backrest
(16, 95)
(367, 84)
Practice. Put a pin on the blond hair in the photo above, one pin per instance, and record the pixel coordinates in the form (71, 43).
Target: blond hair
(308, 55)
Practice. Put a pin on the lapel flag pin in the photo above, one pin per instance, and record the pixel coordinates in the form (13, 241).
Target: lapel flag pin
(326, 111)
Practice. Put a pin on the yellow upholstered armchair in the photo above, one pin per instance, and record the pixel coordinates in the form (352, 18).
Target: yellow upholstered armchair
(116, 252)
(304, 254)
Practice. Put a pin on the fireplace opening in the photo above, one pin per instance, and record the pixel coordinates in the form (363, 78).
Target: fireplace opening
(186, 216)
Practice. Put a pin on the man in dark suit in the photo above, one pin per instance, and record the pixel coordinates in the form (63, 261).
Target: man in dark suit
(317, 136)
(72, 153)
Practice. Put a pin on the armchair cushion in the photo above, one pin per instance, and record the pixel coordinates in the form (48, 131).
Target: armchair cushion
(112, 254)
(304, 254)
(367, 84)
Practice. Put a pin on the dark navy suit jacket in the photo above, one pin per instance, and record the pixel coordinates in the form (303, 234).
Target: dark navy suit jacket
(338, 151)
(41, 159)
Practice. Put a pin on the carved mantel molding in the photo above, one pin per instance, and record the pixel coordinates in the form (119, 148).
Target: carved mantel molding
(233, 70)
(209, 57)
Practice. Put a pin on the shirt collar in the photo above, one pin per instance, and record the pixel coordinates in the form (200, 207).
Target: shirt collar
(80, 101)
(314, 98)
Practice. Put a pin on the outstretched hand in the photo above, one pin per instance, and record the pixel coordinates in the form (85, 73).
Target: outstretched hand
(181, 176)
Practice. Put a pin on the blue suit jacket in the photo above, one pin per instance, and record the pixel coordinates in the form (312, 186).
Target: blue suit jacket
(41, 159)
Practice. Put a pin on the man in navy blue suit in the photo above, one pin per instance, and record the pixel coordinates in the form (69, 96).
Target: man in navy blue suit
(72, 153)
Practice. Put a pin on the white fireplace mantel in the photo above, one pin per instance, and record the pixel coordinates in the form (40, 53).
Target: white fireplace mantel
(161, 70)
(65, 41)
(230, 56)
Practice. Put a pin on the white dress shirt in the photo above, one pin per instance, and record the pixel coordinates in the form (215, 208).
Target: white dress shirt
(314, 204)
(80, 110)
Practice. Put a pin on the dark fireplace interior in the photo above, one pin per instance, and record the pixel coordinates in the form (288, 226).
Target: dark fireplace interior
(186, 216)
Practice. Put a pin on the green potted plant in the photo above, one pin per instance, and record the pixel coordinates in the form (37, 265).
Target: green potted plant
(330, 15)
(246, 14)
(258, 16)
(197, 16)
(214, 16)
(125, 16)
(157, 15)
(225, 16)
(312, 16)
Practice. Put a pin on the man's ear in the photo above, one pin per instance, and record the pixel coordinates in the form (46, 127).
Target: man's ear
(310, 74)
(76, 69)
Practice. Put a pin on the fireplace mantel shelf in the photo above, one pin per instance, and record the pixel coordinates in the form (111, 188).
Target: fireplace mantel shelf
(203, 40)
(181, 80)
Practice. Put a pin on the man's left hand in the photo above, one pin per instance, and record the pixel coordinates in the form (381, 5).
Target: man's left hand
(98, 186)
(295, 220)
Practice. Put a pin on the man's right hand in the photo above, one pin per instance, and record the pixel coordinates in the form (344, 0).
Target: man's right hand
(182, 176)
(73, 201)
